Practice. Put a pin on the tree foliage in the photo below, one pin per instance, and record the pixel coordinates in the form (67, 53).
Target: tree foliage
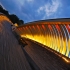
(14, 19)
(3, 11)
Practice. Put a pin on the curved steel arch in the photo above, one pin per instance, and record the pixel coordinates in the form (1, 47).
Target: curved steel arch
(54, 34)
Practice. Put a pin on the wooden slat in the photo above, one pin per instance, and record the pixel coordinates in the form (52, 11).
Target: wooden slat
(11, 54)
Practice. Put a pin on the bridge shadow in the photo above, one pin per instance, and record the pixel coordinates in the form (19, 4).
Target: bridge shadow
(23, 44)
(43, 55)
(30, 61)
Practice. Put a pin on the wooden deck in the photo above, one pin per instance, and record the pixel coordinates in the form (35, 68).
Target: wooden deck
(11, 53)
(45, 59)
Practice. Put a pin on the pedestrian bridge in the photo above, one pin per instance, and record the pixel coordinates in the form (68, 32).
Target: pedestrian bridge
(54, 33)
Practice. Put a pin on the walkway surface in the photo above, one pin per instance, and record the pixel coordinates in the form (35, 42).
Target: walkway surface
(11, 53)
(45, 59)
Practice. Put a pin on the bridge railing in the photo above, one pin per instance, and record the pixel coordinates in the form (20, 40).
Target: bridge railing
(53, 33)
(4, 17)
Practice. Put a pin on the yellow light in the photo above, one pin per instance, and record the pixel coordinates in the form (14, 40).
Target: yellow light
(54, 41)
(16, 24)
(68, 61)
(4, 18)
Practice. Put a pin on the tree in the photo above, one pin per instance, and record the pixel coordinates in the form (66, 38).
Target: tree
(14, 18)
(20, 22)
(3, 11)
(1, 8)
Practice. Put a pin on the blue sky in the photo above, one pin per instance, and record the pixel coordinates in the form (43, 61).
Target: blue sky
(33, 10)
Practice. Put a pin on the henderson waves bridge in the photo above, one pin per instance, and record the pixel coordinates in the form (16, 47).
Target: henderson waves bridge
(48, 45)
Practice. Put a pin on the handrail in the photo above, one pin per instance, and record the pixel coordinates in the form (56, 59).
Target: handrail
(4, 17)
(50, 21)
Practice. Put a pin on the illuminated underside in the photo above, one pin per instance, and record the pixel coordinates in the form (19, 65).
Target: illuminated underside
(55, 36)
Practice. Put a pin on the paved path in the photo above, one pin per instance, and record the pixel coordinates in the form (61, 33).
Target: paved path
(44, 59)
(11, 54)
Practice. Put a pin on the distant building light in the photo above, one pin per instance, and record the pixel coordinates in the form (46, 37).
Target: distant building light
(16, 24)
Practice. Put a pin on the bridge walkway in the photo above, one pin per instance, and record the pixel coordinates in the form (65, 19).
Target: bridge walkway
(15, 57)
(45, 59)
(11, 53)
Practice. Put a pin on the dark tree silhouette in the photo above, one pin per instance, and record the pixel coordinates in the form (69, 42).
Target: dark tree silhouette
(14, 18)
(3, 11)
(20, 22)
(1, 8)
